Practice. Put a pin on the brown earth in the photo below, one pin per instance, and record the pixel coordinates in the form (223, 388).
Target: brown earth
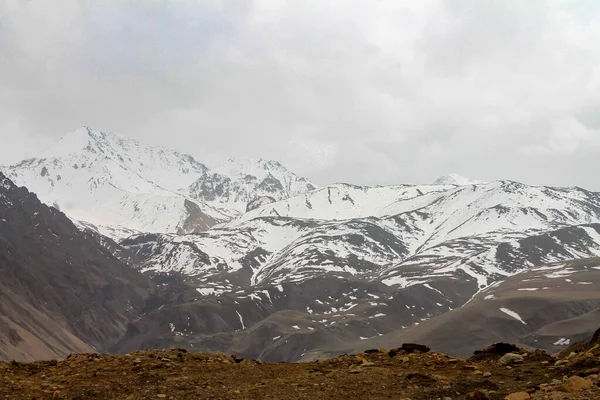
(374, 374)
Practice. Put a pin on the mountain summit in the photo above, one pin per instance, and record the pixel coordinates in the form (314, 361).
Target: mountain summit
(122, 186)
(455, 179)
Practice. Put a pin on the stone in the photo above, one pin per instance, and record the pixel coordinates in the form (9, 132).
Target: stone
(478, 395)
(237, 359)
(518, 396)
(161, 396)
(366, 364)
(353, 370)
(412, 347)
(511, 358)
(487, 374)
(137, 361)
(575, 384)
(497, 349)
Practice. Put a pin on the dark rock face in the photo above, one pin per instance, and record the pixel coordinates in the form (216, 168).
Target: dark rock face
(60, 290)
(259, 202)
(270, 184)
(196, 220)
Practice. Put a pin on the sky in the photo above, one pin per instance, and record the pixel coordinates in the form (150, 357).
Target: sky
(366, 92)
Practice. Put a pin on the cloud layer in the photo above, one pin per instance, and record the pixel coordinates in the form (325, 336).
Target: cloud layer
(370, 92)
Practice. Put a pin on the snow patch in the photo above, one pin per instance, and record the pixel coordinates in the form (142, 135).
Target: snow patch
(513, 314)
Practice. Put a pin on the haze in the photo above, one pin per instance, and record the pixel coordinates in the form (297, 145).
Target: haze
(367, 92)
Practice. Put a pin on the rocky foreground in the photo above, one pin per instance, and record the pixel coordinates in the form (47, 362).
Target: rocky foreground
(501, 371)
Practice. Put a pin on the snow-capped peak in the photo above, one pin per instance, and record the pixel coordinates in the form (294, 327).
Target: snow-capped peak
(455, 179)
(70, 143)
(106, 179)
(260, 168)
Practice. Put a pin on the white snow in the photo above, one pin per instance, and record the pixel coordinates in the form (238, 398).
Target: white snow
(513, 314)
(241, 320)
(562, 342)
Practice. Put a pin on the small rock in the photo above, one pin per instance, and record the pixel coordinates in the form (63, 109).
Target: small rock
(353, 369)
(478, 395)
(56, 395)
(487, 374)
(137, 361)
(560, 362)
(393, 352)
(575, 384)
(161, 396)
(518, 396)
(237, 359)
(477, 372)
(366, 364)
(453, 360)
(412, 347)
(511, 358)
(497, 349)
(165, 359)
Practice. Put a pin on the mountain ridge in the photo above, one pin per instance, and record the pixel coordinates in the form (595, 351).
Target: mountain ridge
(120, 185)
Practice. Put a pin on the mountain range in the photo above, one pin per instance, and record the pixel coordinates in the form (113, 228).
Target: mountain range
(251, 258)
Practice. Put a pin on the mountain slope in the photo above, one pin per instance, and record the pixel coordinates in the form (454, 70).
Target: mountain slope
(547, 307)
(60, 291)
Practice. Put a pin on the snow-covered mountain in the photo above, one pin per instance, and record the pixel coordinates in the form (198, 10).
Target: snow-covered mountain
(395, 235)
(121, 186)
(237, 183)
(292, 277)
(280, 267)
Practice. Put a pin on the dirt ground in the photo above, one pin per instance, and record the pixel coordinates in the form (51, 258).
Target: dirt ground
(375, 374)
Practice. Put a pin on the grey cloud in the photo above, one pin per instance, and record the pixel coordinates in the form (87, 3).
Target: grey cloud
(363, 92)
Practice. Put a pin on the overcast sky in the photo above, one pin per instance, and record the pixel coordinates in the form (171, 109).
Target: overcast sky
(367, 92)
